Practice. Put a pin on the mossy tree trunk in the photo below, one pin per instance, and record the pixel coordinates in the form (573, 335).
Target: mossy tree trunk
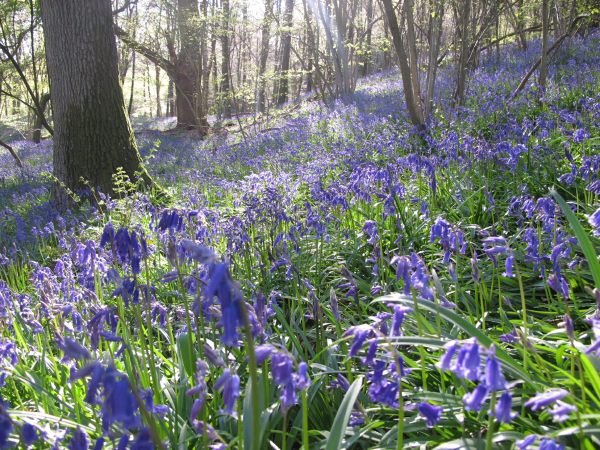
(93, 136)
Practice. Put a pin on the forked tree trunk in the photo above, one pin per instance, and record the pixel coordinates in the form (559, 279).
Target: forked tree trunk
(93, 136)
(413, 104)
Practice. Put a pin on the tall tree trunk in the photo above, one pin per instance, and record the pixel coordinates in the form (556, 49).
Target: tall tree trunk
(93, 136)
(517, 21)
(544, 59)
(435, 36)
(412, 104)
(368, 37)
(264, 56)
(286, 47)
(190, 114)
(225, 61)
(157, 88)
(36, 135)
(171, 99)
(465, 19)
(411, 41)
(132, 86)
(204, 31)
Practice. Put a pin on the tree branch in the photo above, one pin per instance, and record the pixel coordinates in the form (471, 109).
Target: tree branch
(12, 152)
(146, 52)
(556, 45)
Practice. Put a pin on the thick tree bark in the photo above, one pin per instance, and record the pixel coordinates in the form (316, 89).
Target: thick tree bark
(190, 114)
(93, 136)
(286, 46)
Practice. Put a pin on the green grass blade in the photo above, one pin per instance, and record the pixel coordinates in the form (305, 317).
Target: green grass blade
(338, 430)
(582, 238)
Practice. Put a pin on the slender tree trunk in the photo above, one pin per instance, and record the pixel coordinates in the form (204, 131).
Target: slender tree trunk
(435, 36)
(368, 37)
(465, 19)
(36, 135)
(544, 58)
(286, 46)
(157, 88)
(171, 99)
(411, 41)
(132, 86)
(264, 56)
(225, 61)
(413, 104)
(93, 136)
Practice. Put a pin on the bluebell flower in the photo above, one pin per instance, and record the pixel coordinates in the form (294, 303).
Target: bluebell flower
(403, 270)
(99, 445)
(510, 260)
(340, 382)
(398, 318)
(370, 229)
(569, 327)
(142, 441)
(361, 333)
(474, 400)
(559, 284)
(6, 424)
(523, 444)
(503, 410)
(108, 235)
(229, 384)
(594, 220)
(580, 135)
(445, 362)
(468, 361)
(561, 411)
(119, 404)
(357, 419)
(79, 440)
(383, 387)
(72, 349)
(546, 398)
(432, 413)
(595, 347)
(29, 433)
(230, 298)
(170, 220)
(510, 338)
(333, 301)
(197, 252)
(371, 353)
(263, 352)
(550, 444)
(494, 379)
